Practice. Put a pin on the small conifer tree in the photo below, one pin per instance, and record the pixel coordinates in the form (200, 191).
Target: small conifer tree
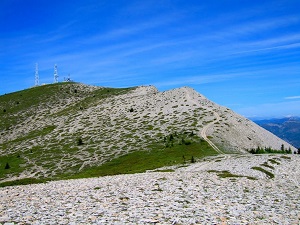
(193, 159)
(7, 166)
(282, 147)
(79, 141)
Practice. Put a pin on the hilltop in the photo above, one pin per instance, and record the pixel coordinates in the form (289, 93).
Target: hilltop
(72, 130)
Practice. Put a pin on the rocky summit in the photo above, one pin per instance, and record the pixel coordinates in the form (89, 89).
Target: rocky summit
(56, 131)
(171, 157)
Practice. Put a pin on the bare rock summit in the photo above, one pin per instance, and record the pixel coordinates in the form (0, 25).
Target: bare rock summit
(67, 127)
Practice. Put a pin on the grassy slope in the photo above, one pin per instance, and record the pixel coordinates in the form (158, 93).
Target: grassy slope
(18, 106)
(158, 156)
(15, 107)
(137, 162)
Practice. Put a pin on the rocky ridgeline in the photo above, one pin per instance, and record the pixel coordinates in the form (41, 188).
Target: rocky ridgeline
(195, 194)
(112, 123)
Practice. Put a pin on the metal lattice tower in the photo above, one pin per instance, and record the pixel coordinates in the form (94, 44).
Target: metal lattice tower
(37, 75)
(55, 74)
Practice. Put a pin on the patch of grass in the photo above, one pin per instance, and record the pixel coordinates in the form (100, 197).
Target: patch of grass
(157, 189)
(251, 178)
(268, 173)
(166, 170)
(24, 181)
(213, 171)
(14, 161)
(150, 127)
(33, 134)
(246, 190)
(228, 174)
(273, 161)
(140, 161)
(28, 100)
(285, 157)
(93, 98)
(265, 164)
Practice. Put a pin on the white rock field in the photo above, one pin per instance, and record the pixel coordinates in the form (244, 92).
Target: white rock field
(190, 195)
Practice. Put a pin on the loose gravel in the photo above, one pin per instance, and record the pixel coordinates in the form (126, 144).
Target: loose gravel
(191, 195)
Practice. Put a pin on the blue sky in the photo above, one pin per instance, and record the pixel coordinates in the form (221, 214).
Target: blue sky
(244, 55)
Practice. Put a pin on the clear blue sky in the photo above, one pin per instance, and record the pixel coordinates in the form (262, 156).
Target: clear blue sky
(241, 54)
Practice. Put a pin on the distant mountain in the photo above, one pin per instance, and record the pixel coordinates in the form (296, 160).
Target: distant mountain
(287, 128)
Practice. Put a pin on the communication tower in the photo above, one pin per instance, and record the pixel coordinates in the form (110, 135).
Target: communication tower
(68, 79)
(55, 74)
(37, 75)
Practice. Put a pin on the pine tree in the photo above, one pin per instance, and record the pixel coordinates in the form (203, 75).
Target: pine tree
(79, 141)
(7, 166)
(193, 160)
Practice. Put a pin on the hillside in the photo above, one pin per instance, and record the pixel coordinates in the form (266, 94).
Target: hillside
(70, 129)
(286, 128)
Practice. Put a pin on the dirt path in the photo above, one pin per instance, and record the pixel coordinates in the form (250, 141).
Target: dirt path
(205, 128)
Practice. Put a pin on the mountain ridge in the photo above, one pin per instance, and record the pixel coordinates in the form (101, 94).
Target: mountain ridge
(44, 131)
(287, 128)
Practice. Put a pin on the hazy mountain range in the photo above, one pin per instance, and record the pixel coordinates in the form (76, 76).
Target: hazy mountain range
(287, 128)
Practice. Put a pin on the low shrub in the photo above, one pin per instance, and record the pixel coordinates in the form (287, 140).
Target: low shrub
(79, 141)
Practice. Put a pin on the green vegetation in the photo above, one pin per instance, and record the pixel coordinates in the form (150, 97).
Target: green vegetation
(91, 99)
(141, 161)
(224, 173)
(35, 133)
(46, 132)
(265, 164)
(228, 174)
(7, 166)
(269, 174)
(24, 181)
(273, 161)
(19, 105)
(165, 170)
(11, 164)
(269, 150)
(79, 141)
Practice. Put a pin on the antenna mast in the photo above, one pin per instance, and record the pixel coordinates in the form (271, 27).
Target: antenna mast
(55, 74)
(36, 74)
